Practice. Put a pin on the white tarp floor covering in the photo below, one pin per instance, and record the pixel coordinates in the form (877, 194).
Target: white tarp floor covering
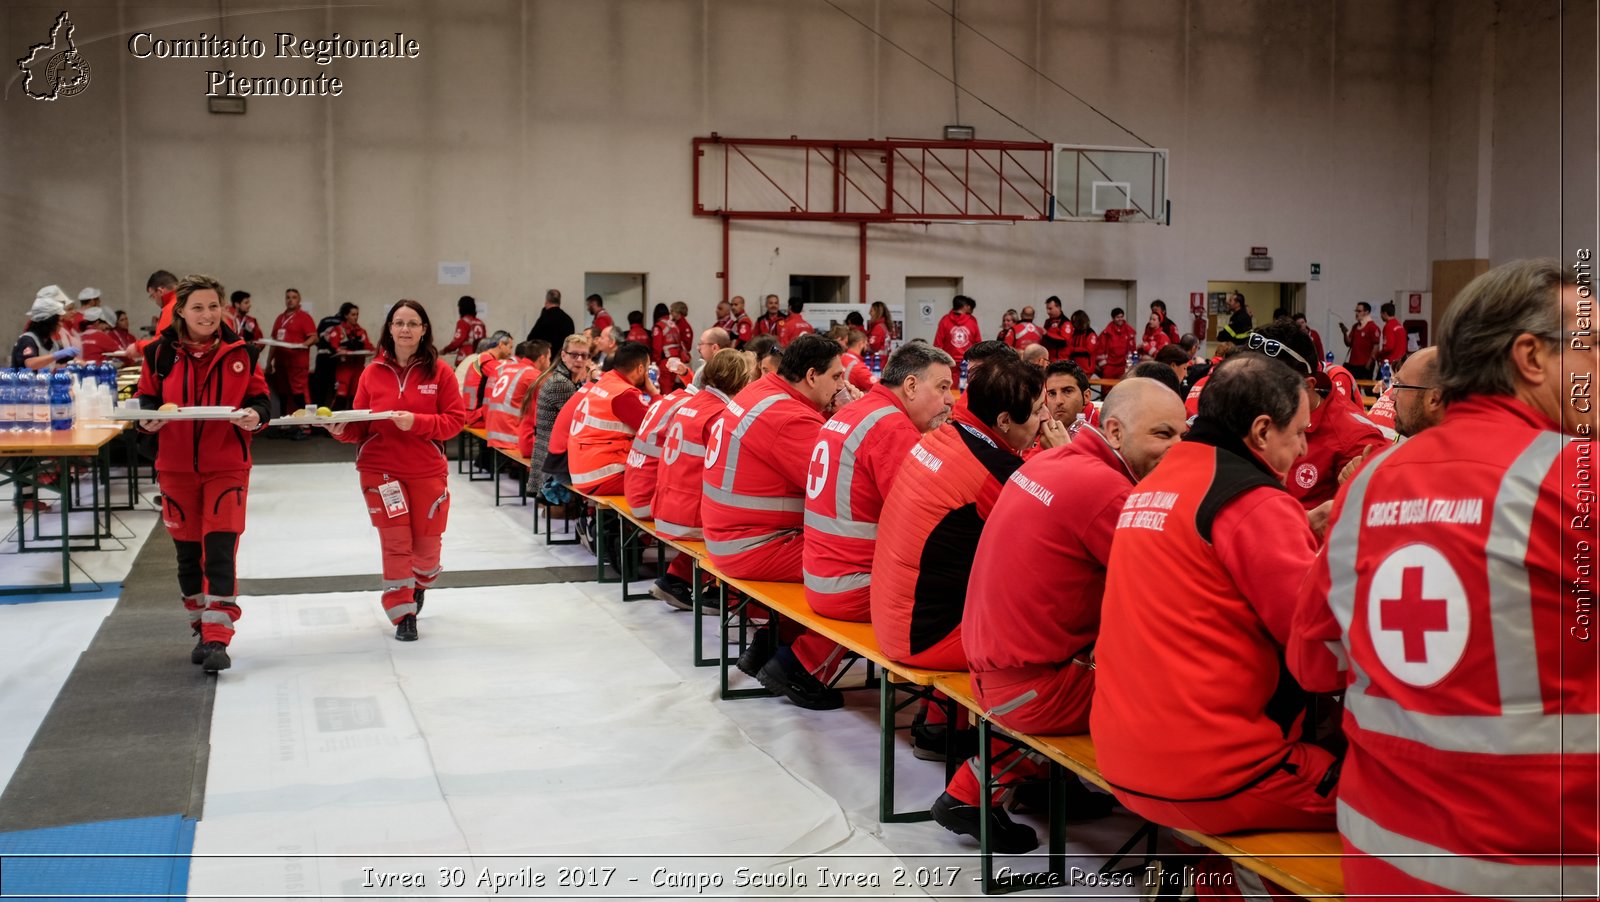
(40, 644)
(310, 520)
(110, 565)
(548, 721)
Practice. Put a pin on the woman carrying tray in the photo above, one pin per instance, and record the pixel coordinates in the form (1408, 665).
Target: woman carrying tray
(203, 465)
(401, 461)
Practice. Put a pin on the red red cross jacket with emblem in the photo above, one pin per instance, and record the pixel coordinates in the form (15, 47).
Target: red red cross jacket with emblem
(643, 464)
(1460, 629)
(1024, 335)
(956, 335)
(222, 375)
(854, 462)
(683, 454)
(431, 393)
(755, 477)
(1339, 433)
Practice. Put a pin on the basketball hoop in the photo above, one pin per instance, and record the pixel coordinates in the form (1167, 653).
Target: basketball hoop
(1126, 215)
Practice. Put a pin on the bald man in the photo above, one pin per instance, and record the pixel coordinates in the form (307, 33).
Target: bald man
(1033, 600)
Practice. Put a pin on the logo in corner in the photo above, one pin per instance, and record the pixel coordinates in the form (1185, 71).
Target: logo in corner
(1306, 475)
(55, 69)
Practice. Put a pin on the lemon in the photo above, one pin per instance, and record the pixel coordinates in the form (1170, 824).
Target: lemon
(299, 413)
(324, 412)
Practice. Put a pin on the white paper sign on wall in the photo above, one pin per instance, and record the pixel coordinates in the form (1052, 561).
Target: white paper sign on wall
(926, 308)
(455, 272)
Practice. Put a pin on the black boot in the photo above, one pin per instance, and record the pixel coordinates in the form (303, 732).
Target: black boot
(416, 599)
(216, 657)
(1083, 803)
(406, 629)
(1006, 836)
(675, 592)
(198, 655)
(757, 653)
(783, 675)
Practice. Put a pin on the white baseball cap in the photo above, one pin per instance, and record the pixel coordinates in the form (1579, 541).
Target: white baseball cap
(89, 294)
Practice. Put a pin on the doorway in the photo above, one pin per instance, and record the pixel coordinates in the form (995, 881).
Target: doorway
(927, 299)
(621, 292)
(1262, 299)
(820, 289)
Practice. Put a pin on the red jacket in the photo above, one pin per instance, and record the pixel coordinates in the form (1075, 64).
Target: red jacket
(741, 329)
(1040, 569)
(856, 457)
(1394, 343)
(929, 533)
(1057, 336)
(1081, 349)
(768, 324)
(1345, 382)
(1154, 340)
(1456, 586)
(1363, 342)
(567, 421)
(294, 326)
(223, 375)
(1192, 402)
(793, 326)
(603, 427)
(1025, 335)
(469, 331)
(98, 342)
(505, 400)
(435, 399)
(602, 321)
(1115, 343)
(245, 325)
(528, 422)
(856, 371)
(1381, 414)
(643, 464)
(956, 334)
(1184, 675)
(878, 336)
(756, 474)
(681, 477)
(1339, 433)
(637, 333)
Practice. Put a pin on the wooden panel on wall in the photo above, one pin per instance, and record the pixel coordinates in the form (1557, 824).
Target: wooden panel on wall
(1449, 277)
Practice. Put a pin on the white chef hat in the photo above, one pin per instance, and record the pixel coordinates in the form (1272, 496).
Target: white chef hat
(89, 294)
(96, 315)
(50, 301)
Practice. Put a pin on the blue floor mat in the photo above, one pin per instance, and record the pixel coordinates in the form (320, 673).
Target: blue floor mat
(145, 857)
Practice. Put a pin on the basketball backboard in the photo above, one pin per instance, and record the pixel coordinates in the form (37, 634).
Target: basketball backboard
(1110, 184)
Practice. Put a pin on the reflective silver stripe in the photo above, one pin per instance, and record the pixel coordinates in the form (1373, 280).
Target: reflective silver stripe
(693, 449)
(401, 610)
(732, 458)
(677, 530)
(739, 546)
(834, 585)
(427, 574)
(838, 526)
(1006, 708)
(597, 475)
(1521, 727)
(217, 617)
(500, 437)
(1510, 602)
(641, 510)
(503, 407)
(220, 599)
(847, 463)
(1461, 872)
(641, 447)
(407, 583)
(437, 503)
(752, 502)
(1337, 650)
(607, 425)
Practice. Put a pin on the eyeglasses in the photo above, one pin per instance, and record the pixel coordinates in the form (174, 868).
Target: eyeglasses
(1273, 348)
(1404, 385)
(404, 324)
(576, 355)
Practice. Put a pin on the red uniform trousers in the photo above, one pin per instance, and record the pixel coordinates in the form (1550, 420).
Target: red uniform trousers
(780, 561)
(204, 513)
(1058, 706)
(291, 381)
(410, 539)
(1287, 798)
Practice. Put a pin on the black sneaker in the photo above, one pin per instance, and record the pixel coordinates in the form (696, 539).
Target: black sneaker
(198, 655)
(783, 675)
(1083, 803)
(416, 599)
(406, 629)
(757, 653)
(929, 742)
(1006, 836)
(216, 658)
(675, 592)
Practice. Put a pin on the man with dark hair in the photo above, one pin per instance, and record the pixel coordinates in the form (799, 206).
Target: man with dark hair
(162, 287)
(1197, 676)
(1057, 329)
(794, 325)
(600, 319)
(553, 325)
(606, 421)
(322, 379)
(771, 317)
(1393, 349)
(1451, 606)
(242, 322)
(1362, 341)
(1117, 340)
(935, 512)
(1066, 391)
(740, 326)
(289, 369)
(758, 467)
(1339, 432)
(1160, 372)
(958, 330)
(1316, 338)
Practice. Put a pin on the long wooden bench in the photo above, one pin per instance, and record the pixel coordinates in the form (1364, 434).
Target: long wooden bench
(1304, 862)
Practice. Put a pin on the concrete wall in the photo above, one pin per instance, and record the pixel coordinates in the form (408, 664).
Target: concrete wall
(542, 139)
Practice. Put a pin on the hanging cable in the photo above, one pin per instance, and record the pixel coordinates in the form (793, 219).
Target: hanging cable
(955, 20)
(934, 69)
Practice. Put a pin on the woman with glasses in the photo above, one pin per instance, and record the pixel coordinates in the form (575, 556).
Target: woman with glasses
(402, 462)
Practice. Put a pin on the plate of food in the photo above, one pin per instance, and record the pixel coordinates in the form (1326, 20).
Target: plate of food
(173, 412)
(323, 416)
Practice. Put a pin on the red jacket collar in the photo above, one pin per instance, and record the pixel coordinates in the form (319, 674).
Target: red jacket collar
(965, 416)
(879, 390)
(1500, 407)
(1091, 443)
(774, 380)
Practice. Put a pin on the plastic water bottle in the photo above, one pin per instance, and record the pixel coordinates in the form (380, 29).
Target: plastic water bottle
(39, 401)
(655, 375)
(61, 407)
(8, 401)
(1385, 376)
(1078, 422)
(963, 374)
(1133, 359)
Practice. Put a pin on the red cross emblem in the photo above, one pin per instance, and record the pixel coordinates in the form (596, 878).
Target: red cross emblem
(817, 474)
(1417, 615)
(672, 446)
